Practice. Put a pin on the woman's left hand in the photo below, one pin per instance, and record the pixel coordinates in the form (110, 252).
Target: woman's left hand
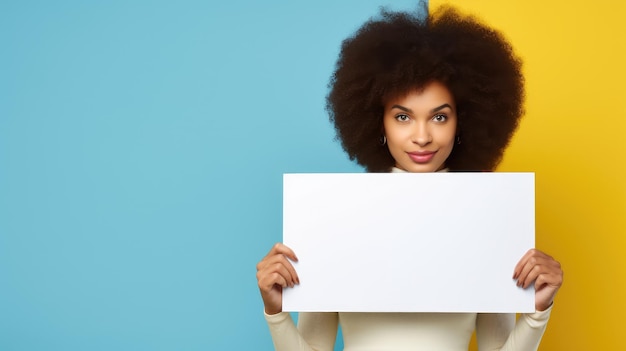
(545, 271)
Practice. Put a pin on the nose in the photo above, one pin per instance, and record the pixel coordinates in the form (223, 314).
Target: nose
(421, 134)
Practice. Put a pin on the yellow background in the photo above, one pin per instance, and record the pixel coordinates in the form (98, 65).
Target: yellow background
(574, 138)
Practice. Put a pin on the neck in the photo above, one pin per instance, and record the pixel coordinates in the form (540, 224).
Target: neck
(400, 170)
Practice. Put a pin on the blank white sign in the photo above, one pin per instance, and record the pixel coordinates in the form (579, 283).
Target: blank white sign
(408, 242)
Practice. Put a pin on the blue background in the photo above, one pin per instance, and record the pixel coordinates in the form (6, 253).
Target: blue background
(142, 147)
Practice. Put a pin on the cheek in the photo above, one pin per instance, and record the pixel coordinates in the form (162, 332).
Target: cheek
(398, 137)
(446, 137)
(392, 132)
(450, 134)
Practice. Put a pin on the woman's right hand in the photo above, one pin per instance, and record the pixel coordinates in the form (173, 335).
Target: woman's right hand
(274, 273)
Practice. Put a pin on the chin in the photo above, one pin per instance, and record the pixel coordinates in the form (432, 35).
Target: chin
(422, 168)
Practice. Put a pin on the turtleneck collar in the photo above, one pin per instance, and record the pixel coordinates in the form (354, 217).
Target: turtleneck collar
(398, 170)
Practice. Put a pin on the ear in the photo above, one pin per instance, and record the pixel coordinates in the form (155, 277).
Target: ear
(382, 126)
(383, 135)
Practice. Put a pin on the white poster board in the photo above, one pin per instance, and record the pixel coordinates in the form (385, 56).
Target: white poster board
(408, 242)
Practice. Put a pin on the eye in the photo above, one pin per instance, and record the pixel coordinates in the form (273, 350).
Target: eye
(402, 118)
(440, 118)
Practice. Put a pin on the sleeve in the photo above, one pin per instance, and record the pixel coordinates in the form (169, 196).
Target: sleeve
(315, 331)
(500, 331)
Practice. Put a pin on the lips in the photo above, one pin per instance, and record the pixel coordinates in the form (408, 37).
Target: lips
(421, 156)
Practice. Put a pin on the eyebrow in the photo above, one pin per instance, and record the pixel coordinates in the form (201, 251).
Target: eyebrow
(441, 108)
(438, 108)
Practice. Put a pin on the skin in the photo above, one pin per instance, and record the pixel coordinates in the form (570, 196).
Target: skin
(421, 128)
(275, 273)
(423, 122)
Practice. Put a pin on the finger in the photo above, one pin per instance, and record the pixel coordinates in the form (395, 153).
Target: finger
(523, 271)
(292, 272)
(277, 255)
(552, 279)
(280, 259)
(528, 256)
(281, 265)
(521, 263)
(277, 250)
(537, 266)
(533, 267)
(270, 260)
(269, 281)
(280, 248)
(546, 287)
(532, 275)
(284, 271)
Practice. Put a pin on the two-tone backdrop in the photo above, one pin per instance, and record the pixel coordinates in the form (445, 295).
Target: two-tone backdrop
(142, 147)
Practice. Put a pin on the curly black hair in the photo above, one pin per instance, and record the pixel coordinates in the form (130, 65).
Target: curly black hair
(401, 51)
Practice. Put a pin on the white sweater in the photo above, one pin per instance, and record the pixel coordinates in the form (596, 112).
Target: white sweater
(407, 331)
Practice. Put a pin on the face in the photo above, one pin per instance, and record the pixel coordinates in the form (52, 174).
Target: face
(421, 128)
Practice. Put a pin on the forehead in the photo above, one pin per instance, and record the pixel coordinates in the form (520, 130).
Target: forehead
(429, 94)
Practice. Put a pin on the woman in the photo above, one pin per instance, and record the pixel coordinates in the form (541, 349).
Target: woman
(420, 95)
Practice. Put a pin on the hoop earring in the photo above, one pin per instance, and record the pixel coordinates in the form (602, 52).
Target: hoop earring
(458, 140)
(383, 140)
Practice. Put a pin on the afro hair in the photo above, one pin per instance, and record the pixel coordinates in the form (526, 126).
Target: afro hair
(398, 52)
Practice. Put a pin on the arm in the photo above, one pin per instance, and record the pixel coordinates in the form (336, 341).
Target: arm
(500, 331)
(315, 331)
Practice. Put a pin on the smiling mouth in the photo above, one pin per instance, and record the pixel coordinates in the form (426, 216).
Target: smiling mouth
(421, 156)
